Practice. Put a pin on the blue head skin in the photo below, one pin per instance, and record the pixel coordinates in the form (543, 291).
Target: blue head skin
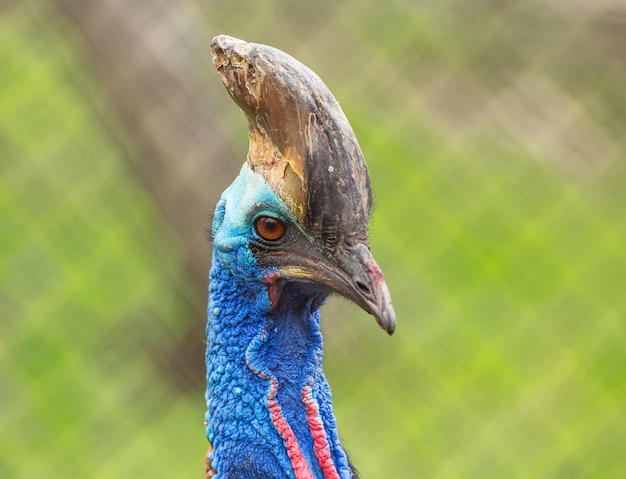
(266, 394)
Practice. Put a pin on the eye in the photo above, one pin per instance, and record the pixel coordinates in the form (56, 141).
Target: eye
(269, 228)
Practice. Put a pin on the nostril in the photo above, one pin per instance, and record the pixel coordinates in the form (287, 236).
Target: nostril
(363, 287)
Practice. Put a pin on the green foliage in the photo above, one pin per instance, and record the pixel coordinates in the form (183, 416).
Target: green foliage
(84, 295)
(507, 281)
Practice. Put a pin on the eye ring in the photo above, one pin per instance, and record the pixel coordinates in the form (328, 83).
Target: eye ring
(268, 228)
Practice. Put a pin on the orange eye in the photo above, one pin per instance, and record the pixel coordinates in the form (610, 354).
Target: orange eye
(269, 228)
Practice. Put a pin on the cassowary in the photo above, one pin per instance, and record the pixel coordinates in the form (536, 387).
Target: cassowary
(291, 229)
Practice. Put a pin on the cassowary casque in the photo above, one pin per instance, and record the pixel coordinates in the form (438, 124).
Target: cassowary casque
(291, 229)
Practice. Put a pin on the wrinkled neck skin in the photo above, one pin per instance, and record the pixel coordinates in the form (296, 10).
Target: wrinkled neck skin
(269, 404)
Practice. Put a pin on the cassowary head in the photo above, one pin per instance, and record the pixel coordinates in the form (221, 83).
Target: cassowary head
(291, 229)
(304, 148)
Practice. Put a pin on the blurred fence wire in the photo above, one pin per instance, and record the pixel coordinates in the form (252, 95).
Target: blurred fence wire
(495, 136)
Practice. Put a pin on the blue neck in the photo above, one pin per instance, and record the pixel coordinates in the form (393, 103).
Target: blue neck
(269, 404)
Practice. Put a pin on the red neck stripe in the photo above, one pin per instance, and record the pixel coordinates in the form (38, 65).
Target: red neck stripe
(298, 462)
(318, 433)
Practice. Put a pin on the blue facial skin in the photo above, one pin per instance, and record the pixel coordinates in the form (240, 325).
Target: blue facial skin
(256, 351)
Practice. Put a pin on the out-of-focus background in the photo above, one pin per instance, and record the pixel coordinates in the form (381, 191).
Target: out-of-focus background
(495, 133)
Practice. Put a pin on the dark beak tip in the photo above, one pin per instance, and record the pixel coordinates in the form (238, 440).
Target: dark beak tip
(385, 315)
(388, 321)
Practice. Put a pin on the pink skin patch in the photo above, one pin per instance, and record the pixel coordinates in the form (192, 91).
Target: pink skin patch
(273, 287)
(375, 272)
(320, 442)
(301, 467)
(298, 462)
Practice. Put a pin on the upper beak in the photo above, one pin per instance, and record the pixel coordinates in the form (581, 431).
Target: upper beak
(365, 285)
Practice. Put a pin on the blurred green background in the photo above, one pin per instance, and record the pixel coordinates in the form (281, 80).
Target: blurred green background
(495, 132)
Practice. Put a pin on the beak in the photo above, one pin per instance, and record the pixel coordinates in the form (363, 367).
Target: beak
(365, 286)
(352, 273)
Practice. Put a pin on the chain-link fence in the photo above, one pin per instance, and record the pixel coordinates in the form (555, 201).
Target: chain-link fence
(495, 135)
